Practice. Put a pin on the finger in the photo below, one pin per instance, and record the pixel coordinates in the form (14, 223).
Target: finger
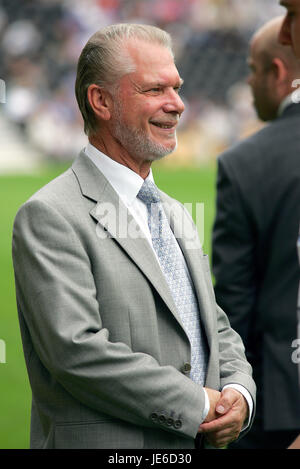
(227, 399)
(217, 424)
(216, 444)
(222, 438)
(220, 442)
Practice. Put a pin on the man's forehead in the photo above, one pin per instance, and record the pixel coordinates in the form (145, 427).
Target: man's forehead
(252, 57)
(162, 79)
(148, 52)
(143, 82)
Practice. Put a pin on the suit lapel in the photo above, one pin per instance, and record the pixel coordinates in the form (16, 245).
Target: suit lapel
(117, 222)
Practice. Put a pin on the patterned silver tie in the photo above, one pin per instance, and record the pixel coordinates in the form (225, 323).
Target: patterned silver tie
(175, 270)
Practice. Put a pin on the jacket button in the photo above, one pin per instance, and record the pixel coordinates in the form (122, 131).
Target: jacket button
(177, 424)
(170, 422)
(154, 417)
(162, 419)
(186, 368)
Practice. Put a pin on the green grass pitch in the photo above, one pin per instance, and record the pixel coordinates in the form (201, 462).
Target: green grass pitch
(195, 185)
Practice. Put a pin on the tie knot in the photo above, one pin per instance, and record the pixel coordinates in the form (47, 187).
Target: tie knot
(149, 193)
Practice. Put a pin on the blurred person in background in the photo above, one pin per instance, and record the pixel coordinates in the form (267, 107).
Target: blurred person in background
(290, 36)
(41, 41)
(124, 344)
(254, 237)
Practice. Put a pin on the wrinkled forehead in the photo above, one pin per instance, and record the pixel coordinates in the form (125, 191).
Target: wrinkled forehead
(148, 54)
(153, 62)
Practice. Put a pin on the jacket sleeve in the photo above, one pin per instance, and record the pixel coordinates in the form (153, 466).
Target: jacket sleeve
(233, 250)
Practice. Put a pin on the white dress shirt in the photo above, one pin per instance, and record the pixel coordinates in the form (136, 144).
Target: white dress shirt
(127, 184)
(287, 101)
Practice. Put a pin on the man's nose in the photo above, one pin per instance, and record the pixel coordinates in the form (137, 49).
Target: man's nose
(173, 103)
(249, 79)
(284, 36)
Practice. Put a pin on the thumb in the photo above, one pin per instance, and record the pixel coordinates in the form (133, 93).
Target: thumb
(226, 401)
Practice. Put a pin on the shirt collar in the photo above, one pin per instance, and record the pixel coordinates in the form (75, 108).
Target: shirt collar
(125, 182)
(287, 101)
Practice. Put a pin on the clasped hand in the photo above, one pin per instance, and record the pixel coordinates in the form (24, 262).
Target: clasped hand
(227, 414)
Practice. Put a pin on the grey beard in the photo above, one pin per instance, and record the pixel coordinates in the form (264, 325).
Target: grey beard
(138, 143)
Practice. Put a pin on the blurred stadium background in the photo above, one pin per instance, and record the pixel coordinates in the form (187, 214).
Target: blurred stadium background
(41, 128)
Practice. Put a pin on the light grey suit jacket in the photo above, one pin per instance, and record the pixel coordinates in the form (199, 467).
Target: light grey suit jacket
(106, 352)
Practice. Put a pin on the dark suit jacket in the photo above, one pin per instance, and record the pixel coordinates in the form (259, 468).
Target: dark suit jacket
(255, 260)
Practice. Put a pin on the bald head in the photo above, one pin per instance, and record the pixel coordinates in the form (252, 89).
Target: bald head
(273, 69)
(267, 46)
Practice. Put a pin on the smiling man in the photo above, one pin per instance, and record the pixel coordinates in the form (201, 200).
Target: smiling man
(145, 131)
(124, 343)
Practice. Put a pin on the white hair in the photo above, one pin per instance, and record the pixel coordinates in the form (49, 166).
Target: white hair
(104, 60)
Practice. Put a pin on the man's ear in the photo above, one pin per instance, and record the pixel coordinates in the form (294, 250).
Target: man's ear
(280, 70)
(100, 101)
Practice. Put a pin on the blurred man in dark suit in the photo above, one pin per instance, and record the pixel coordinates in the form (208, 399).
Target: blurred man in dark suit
(254, 238)
(290, 29)
(290, 35)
